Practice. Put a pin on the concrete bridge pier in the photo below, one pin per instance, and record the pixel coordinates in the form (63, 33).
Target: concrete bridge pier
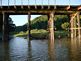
(51, 26)
(5, 29)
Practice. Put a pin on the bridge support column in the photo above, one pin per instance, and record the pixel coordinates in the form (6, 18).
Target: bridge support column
(51, 36)
(78, 20)
(71, 22)
(74, 26)
(5, 36)
(1, 24)
(51, 26)
(29, 25)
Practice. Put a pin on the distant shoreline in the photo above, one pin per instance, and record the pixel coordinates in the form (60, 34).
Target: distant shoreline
(42, 34)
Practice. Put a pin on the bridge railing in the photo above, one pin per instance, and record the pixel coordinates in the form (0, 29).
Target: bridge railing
(35, 2)
(26, 2)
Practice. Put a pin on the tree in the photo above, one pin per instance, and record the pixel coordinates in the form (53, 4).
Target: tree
(41, 22)
(11, 25)
(65, 25)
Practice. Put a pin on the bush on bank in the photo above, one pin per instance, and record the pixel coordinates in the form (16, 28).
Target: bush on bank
(42, 34)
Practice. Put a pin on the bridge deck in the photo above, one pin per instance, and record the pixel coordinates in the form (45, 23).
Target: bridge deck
(40, 9)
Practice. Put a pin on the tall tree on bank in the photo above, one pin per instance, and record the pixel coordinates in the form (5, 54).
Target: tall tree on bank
(11, 25)
(41, 22)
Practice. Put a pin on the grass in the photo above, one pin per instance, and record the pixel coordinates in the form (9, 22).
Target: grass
(38, 34)
(42, 34)
(61, 34)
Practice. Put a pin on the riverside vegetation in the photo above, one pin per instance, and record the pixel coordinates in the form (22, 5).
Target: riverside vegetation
(39, 27)
(42, 34)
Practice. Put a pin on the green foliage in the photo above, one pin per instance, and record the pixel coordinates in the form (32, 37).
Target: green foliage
(38, 34)
(11, 25)
(61, 34)
(65, 25)
(59, 20)
(21, 34)
(19, 29)
(41, 34)
(39, 22)
(39, 27)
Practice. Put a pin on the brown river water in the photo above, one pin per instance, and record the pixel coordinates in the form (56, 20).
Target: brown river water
(19, 49)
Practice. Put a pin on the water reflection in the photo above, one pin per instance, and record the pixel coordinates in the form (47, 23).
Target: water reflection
(61, 50)
(51, 50)
(75, 50)
(6, 51)
(29, 51)
(1, 51)
(20, 49)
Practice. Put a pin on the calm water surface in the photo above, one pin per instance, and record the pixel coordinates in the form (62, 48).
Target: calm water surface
(19, 49)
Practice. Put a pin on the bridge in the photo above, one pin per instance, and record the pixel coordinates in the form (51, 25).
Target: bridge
(72, 11)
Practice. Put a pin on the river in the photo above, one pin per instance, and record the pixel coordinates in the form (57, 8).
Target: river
(19, 49)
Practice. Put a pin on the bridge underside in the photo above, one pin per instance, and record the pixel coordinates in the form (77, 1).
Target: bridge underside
(72, 11)
(40, 9)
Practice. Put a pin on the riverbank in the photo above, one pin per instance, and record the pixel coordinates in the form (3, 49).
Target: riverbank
(42, 34)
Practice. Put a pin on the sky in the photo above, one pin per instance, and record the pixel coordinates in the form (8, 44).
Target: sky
(39, 2)
(22, 19)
